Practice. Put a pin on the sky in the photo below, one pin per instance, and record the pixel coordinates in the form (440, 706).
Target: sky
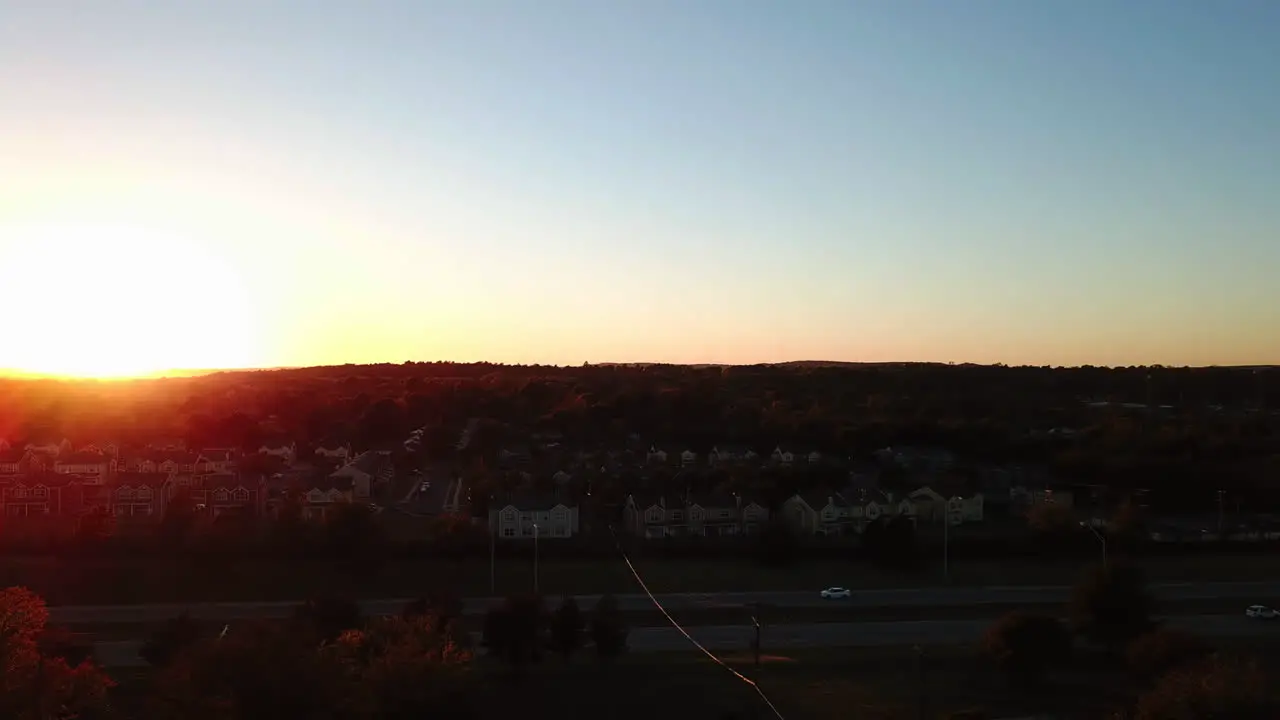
(231, 183)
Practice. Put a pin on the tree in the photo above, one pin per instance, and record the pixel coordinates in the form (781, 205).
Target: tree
(1220, 688)
(1111, 605)
(608, 631)
(1160, 652)
(179, 519)
(351, 530)
(514, 631)
(173, 638)
(443, 606)
(566, 628)
(259, 671)
(34, 685)
(327, 618)
(403, 667)
(1026, 647)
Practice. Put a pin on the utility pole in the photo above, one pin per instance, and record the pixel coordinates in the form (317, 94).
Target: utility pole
(535, 558)
(921, 694)
(493, 578)
(755, 644)
(946, 544)
(1220, 494)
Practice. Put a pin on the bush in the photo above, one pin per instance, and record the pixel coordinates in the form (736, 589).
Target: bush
(1026, 647)
(1218, 689)
(1158, 653)
(1111, 605)
(176, 636)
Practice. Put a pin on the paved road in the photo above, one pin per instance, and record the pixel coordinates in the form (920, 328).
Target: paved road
(869, 634)
(1249, 592)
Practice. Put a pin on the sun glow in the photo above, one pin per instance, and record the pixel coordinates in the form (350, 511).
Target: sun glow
(112, 302)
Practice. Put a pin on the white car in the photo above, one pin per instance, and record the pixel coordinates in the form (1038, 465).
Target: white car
(1261, 612)
(836, 593)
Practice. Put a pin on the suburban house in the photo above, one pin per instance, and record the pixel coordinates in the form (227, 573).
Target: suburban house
(161, 461)
(656, 456)
(722, 454)
(835, 513)
(688, 457)
(138, 495)
(39, 495)
(334, 450)
(168, 445)
(109, 449)
(917, 459)
(654, 516)
(933, 507)
(321, 493)
(648, 516)
(515, 455)
(788, 457)
(281, 449)
(4, 445)
(367, 472)
(11, 462)
(526, 515)
(92, 466)
(227, 492)
(49, 446)
(219, 492)
(215, 460)
(714, 514)
(754, 517)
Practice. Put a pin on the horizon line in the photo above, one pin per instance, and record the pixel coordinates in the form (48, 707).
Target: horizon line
(183, 373)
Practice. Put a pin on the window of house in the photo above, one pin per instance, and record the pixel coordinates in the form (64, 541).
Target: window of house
(20, 492)
(677, 515)
(240, 495)
(508, 532)
(220, 495)
(144, 493)
(40, 491)
(695, 514)
(509, 514)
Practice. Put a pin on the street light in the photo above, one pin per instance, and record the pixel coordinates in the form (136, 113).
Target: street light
(535, 558)
(1101, 538)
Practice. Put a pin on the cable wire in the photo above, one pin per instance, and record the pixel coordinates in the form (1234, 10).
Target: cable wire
(636, 574)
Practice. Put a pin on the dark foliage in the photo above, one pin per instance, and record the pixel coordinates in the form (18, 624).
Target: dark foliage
(173, 638)
(1221, 688)
(327, 618)
(515, 631)
(1026, 647)
(567, 625)
(1111, 605)
(608, 631)
(1160, 652)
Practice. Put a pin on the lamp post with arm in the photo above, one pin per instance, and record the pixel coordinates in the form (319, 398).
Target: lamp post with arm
(535, 558)
(1102, 539)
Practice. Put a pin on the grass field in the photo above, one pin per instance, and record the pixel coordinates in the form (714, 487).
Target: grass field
(68, 581)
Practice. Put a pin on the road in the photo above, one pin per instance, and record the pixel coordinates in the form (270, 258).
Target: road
(869, 634)
(1249, 592)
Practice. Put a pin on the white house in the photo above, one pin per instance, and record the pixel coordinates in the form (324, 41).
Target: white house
(530, 516)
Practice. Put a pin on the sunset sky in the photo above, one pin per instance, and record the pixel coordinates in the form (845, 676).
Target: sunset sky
(261, 183)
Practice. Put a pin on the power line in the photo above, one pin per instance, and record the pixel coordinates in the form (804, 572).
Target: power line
(636, 574)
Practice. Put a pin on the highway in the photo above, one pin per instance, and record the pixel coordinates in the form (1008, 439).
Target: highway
(782, 637)
(1250, 592)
